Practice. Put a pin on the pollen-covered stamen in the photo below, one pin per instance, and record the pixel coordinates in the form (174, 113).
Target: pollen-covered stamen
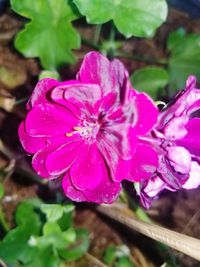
(87, 130)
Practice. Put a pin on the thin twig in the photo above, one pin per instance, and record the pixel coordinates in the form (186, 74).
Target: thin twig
(95, 260)
(183, 243)
(2, 263)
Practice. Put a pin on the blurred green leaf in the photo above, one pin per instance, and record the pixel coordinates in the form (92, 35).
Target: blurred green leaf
(175, 38)
(51, 227)
(45, 258)
(66, 221)
(36, 242)
(78, 249)
(132, 18)
(124, 262)
(55, 211)
(55, 240)
(53, 236)
(150, 80)
(109, 255)
(49, 35)
(26, 213)
(1, 190)
(15, 246)
(184, 58)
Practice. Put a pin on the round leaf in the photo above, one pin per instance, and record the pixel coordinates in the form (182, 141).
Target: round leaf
(150, 80)
(184, 59)
(136, 17)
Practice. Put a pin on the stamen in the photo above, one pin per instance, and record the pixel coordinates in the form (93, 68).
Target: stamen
(69, 134)
(77, 128)
(86, 131)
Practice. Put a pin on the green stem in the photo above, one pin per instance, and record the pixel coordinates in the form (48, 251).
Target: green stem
(19, 101)
(140, 213)
(112, 33)
(111, 51)
(97, 34)
(90, 43)
(3, 221)
(140, 58)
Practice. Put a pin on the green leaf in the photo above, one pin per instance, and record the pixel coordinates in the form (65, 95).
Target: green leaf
(78, 249)
(45, 258)
(15, 246)
(132, 18)
(51, 227)
(27, 213)
(150, 80)
(49, 35)
(124, 262)
(1, 190)
(184, 58)
(109, 255)
(55, 211)
(175, 38)
(55, 239)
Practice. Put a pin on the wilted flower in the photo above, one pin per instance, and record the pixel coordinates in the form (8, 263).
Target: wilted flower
(175, 142)
(86, 130)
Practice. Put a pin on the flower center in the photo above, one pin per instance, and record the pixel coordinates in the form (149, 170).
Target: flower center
(86, 130)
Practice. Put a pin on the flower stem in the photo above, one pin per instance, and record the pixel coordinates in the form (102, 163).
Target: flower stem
(3, 221)
(90, 43)
(97, 34)
(111, 51)
(140, 58)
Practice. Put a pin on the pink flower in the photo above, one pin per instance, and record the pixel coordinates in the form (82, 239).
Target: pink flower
(175, 141)
(86, 130)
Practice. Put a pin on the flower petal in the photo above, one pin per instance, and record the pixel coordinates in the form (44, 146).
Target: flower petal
(180, 159)
(110, 76)
(119, 167)
(194, 178)
(144, 163)
(38, 161)
(185, 103)
(89, 169)
(106, 192)
(153, 187)
(70, 191)
(40, 93)
(175, 128)
(29, 143)
(78, 98)
(191, 140)
(146, 113)
(173, 180)
(49, 120)
(58, 161)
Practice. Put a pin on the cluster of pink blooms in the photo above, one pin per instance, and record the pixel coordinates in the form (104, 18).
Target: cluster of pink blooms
(97, 131)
